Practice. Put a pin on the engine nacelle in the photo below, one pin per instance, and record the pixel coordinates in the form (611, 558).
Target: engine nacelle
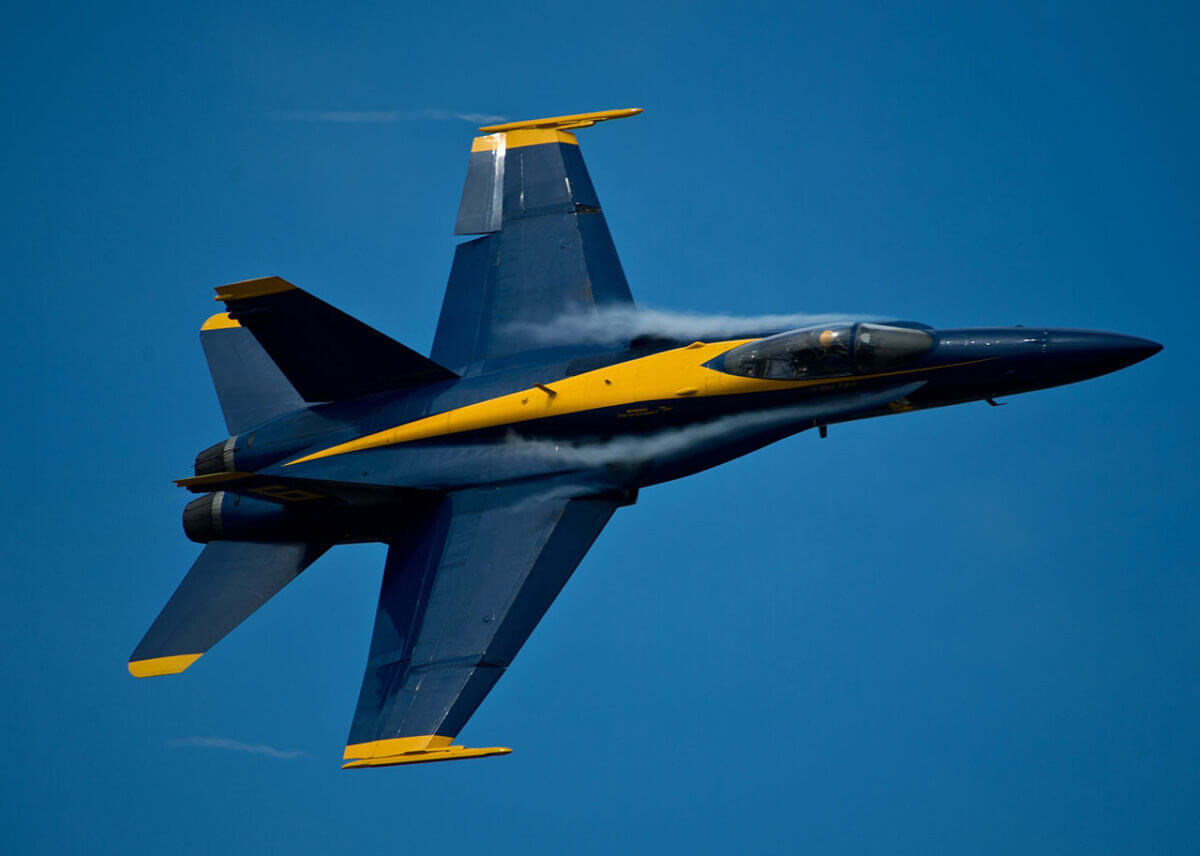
(217, 458)
(224, 516)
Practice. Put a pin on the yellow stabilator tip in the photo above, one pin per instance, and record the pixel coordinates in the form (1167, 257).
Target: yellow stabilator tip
(161, 665)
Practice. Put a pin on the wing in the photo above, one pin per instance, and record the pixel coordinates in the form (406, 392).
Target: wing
(547, 252)
(457, 603)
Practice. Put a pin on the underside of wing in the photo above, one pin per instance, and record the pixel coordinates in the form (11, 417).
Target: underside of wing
(546, 253)
(458, 600)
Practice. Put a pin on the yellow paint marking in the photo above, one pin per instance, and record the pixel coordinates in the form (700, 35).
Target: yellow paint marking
(657, 377)
(452, 753)
(397, 746)
(253, 288)
(539, 132)
(220, 321)
(412, 750)
(575, 120)
(486, 144)
(219, 478)
(647, 378)
(161, 665)
(517, 139)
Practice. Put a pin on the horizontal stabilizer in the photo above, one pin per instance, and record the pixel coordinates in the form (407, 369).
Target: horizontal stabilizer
(228, 582)
(325, 354)
(286, 489)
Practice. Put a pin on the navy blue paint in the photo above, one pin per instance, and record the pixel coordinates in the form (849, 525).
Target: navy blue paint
(228, 582)
(250, 387)
(479, 212)
(459, 600)
(552, 257)
(326, 354)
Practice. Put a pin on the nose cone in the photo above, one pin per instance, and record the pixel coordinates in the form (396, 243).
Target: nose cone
(1090, 353)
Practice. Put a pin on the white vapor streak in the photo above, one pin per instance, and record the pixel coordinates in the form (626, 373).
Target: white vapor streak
(383, 116)
(610, 325)
(643, 448)
(237, 746)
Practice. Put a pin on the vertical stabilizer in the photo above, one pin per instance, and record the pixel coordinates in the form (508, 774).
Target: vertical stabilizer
(249, 385)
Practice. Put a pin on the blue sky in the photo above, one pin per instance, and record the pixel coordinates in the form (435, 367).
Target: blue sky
(966, 630)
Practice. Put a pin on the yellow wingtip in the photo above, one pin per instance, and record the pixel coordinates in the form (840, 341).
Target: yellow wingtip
(161, 665)
(562, 123)
(420, 749)
(450, 753)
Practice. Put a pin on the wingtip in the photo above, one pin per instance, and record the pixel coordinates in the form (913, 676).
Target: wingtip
(419, 749)
(156, 666)
(448, 753)
(563, 123)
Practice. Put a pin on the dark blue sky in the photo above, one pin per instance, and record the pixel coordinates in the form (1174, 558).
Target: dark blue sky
(965, 630)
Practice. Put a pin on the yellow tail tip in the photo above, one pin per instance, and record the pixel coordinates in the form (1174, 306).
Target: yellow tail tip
(220, 321)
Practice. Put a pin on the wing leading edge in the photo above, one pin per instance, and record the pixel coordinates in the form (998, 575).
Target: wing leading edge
(456, 605)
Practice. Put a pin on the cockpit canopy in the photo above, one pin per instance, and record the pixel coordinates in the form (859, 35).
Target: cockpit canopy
(829, 351)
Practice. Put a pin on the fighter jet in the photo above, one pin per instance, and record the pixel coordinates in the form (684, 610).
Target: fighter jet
(490, 466)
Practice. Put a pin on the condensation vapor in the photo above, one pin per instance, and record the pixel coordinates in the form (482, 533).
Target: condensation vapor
(624, 323)
(384, 116)
(638, 449)
(238, 746)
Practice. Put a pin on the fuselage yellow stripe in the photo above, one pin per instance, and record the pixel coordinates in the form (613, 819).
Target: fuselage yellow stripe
(645, 379)
(678, 373)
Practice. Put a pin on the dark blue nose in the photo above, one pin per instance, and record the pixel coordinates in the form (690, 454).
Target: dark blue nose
(1095, 353)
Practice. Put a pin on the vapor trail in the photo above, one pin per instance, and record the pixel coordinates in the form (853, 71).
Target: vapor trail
(383, 116)
(622, 323)
(647, 447)
(237, 746)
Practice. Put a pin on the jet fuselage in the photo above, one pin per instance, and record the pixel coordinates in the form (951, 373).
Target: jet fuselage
(630, 419)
